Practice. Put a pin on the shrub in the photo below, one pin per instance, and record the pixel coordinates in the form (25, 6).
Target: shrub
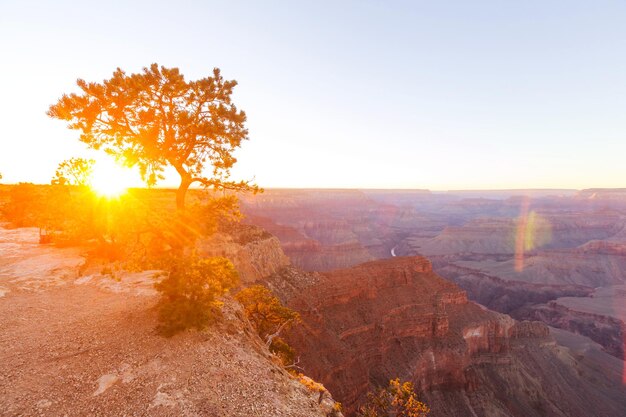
(269, 317)
(190, 292)
(396, 400)
(310, 384)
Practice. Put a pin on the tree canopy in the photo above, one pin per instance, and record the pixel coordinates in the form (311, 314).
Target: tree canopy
(156, 119)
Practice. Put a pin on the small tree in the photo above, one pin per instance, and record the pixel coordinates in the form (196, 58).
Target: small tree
(74, 171)
(190, 292)
(156, 118)
(269, 317)
(396, 400)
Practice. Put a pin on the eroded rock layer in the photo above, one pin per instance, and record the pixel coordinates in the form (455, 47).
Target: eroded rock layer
(396, 318)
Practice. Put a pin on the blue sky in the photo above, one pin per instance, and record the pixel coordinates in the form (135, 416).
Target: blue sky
(439, 95)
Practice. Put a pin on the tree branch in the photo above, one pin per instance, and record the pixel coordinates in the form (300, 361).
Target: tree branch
(295, 364)
(271, 337)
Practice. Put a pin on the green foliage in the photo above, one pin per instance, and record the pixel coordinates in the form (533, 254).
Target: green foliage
(156, 119)
(269, 317)
(311, 384)
(134, 232)
(74, 171)
(396, 400)
(48, 207)
(203, 218)
(190, 292)
(264, 310)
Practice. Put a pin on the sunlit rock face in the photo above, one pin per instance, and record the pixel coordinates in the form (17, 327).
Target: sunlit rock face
(254, 252)
(596, 312)
(396, 318)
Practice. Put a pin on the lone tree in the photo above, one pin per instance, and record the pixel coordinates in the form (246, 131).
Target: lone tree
(155, 119)
(74, 171)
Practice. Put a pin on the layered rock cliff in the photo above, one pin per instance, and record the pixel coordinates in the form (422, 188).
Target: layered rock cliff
(607, 331)
(396, 318)
(505, 296)
(254, 252)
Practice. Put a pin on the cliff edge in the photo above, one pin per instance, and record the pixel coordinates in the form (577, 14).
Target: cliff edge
(86, 345)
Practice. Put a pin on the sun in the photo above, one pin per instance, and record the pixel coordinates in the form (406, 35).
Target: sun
(109, 179)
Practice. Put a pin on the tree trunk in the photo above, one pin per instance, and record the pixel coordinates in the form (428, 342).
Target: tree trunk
(181, 192)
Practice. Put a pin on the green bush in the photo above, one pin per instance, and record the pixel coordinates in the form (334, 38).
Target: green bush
(190, 292)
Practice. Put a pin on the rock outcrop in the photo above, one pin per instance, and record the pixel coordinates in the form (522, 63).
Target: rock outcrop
(255, 253)
(543, 302)
(396, 318)
(607, 331)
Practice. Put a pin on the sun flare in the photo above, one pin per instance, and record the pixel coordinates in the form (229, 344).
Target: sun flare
(110, 179)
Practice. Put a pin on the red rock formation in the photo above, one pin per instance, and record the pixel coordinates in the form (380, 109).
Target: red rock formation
(396, 318)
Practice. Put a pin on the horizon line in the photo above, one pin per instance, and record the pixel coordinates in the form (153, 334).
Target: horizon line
(439, 190)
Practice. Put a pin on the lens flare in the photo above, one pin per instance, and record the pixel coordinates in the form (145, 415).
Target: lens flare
(532, 231)
(520, 236)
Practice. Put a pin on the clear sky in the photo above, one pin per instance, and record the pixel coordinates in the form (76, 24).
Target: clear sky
(383, 94)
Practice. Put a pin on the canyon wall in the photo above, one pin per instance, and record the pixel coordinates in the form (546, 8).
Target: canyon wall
(607, 331)
(396, 318)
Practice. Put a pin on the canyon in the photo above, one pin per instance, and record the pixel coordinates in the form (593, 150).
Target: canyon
(379, 320)
(513, 251)
(504, 306)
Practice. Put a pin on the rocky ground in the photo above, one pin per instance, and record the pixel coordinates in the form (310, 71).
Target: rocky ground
(85, 344)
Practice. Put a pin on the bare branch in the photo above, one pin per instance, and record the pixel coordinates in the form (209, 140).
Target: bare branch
(271, 337)
(295, 364)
